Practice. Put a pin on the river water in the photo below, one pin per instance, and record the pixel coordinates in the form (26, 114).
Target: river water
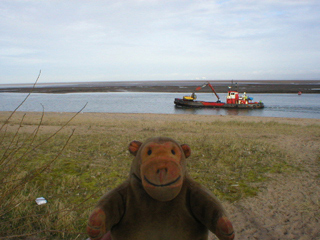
(276, 105)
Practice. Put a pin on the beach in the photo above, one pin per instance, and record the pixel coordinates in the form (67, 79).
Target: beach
(286, 203)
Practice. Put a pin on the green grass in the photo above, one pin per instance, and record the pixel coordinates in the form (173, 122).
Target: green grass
(72, 171)
(229, 167)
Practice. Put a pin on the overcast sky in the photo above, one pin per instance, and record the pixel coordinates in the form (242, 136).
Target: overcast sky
(159, 40)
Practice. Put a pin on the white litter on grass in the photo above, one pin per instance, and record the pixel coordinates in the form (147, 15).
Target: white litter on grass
(41, 201)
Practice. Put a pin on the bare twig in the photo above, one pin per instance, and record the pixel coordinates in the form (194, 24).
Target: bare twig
(14, 111)
(39, 170)
(50, 137)
(5, 156)
(15, 151)
(32, 175)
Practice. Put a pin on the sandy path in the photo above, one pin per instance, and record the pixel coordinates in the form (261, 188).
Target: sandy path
(288, 207)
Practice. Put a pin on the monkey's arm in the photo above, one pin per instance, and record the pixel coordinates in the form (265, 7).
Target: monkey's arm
(107, 213)
(209, 211)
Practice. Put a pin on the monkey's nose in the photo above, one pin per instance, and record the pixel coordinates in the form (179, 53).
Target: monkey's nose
(162, 173)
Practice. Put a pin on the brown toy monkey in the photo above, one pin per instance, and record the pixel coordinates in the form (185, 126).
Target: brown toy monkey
(159, 201)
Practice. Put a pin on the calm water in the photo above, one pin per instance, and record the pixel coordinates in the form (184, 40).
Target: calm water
(276, 105)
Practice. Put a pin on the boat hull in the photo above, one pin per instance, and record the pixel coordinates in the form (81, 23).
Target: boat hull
(202, 104)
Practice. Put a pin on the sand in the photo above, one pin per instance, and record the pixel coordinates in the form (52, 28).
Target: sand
(288, 206)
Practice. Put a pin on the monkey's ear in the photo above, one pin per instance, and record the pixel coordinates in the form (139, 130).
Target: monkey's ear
(134, 147)
(186, 149)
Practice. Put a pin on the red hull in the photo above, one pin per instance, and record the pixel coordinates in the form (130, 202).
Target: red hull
(198, 104)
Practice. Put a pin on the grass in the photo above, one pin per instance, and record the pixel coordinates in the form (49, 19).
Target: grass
(72, 168)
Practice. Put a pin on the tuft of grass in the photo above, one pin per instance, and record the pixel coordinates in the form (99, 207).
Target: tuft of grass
(231, 167)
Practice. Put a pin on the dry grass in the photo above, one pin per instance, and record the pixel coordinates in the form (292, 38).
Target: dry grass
(231, 156)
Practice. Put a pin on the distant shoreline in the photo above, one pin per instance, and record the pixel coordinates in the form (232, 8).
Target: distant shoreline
(258, 86)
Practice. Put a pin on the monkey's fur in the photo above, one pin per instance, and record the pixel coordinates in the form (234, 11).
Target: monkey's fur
(159, 201)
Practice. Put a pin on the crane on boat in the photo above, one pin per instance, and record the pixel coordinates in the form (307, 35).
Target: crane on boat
(193, 96)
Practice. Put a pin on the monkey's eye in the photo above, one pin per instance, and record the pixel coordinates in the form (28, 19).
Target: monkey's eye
(149, 152)
(173, 152)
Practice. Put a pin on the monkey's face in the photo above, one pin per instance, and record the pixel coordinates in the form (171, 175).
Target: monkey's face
(161, 169)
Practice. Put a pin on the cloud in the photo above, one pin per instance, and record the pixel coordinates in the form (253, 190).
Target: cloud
(143, 40)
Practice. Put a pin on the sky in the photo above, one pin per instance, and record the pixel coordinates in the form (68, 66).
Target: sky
(130, 40)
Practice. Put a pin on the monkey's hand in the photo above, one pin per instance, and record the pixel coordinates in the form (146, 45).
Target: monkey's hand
(96, 227)
(209, 211)
(224, 229)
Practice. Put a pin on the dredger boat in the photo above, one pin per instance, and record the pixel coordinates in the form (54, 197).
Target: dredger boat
(234, 100)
